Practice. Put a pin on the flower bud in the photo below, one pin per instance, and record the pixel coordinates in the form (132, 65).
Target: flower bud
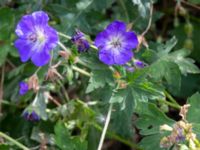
(182, 11)
(188, 29)
(23, 88)
(188, 44)
(80, 41)
(31, 116)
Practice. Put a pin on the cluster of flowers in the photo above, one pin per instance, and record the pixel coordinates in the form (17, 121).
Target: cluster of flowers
(36, 39)
(182, 136)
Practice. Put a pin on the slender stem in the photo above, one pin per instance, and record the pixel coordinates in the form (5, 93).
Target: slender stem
(94, 47)
(63, 47)
(170, 98)
(105, 127)
(63, 90)
(1, 86)
(150, 20)
(170, 104)
(81, 71)
(38, 69)
(64, 35)
(191, 5)
(13, 141)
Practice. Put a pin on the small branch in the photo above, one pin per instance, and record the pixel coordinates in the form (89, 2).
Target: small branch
(64, 35)
(81, 71)
(170, 98)
(105, 127)
(191, 5)
(63, 47)
(150, 20)
(13, 141)
(170, 104)
(1, 86)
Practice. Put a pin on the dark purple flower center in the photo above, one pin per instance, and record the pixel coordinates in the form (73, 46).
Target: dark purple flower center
(116, 42)
(32, 37)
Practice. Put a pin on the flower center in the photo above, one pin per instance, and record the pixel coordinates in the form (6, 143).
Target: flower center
(116, 42)
(40, 37)
(32, 37)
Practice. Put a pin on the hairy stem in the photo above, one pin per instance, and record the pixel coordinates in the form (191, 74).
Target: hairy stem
(13, 141)
(150, 20)
(170, 98)
(81, 71)
(117, 137)
(105, 127)
(170, 104)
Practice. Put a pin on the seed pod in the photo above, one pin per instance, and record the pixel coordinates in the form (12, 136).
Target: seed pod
(188, 44)
(182, 11)
(188, 29)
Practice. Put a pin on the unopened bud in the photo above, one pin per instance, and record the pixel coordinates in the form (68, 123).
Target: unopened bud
(188, 44)
(117, 75)
(188, 29)
(182, 11)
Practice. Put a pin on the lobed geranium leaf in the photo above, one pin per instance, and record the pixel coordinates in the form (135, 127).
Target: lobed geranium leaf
(65, 141)
(194, 109)
(168, 66)
(149, 122)
(143, 6)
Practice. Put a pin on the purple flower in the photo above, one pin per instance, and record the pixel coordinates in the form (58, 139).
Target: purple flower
(35, 38)
(23, 88)
(138, 63)
(115, 44)
(79, 40)
(31, 116)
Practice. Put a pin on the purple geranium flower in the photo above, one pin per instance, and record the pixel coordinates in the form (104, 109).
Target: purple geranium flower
(23, 88)
(31, 116)
(80, 41)
(36, 38)
(115, 44)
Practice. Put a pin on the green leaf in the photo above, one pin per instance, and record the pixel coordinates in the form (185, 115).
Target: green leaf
(149, 122)
(4, 147)
(168, 70)
(186, 65)
(143, 6)
(65, 141)
(101, 74)
(143, 89)
(164, 49)
(39, 105)
(193, 112)
(122, 117)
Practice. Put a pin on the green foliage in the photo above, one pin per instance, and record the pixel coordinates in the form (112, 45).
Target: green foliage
(65, 142)
(149, 122)
(73, 107)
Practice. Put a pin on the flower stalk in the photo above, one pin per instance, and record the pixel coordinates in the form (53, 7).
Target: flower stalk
(105, 127)
(13, 141)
